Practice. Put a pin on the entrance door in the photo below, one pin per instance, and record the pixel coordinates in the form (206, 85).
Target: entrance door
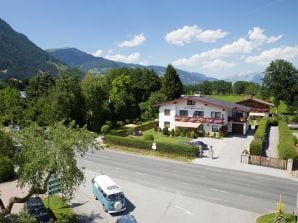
(237, 128)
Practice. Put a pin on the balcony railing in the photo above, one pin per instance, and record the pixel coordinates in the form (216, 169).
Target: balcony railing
(199, 119)
(237, 119)
(260, 110)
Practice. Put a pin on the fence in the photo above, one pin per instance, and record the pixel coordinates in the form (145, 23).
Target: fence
(268, 161)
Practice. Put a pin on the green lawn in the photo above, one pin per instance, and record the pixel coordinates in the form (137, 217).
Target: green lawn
(229, 98)
(159, 137)
(269, 218)
(60, 209)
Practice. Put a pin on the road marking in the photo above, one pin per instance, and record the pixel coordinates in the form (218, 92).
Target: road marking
(222, 191)
(184, 210)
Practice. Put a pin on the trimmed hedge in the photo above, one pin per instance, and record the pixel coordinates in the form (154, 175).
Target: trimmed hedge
(172, 148)
(145, 126)
(148, 137)
(6, 169)
(286, 146)
(257, 145)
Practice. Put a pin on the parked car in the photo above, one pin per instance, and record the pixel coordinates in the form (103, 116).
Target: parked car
(200, 143)
(126, 219)
(35, 207)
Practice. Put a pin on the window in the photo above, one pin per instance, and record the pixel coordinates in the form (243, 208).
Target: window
(167, 112)
(183, 113)
(191, 102)
(214, 128)
(215, 115)
(166, 125)
(198, 114)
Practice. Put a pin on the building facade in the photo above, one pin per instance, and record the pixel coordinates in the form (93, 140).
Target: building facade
(259, 108)
(202, 113)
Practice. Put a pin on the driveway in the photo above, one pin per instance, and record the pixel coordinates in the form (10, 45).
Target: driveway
(227, 150)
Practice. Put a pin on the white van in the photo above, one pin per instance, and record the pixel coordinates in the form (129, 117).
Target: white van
(108, 193)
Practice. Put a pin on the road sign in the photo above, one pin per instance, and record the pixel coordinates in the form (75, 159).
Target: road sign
(54, 185)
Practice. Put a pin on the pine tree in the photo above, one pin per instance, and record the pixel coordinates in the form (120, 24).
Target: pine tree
(171, 84)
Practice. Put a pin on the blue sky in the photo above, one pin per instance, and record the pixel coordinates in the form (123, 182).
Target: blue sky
(218, 38)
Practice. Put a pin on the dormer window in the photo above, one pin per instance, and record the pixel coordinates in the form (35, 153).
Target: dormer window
(191, 102)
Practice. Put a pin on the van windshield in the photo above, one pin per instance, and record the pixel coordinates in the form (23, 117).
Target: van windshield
(115, 197)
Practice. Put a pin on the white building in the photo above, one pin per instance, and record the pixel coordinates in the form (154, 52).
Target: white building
(203, 113)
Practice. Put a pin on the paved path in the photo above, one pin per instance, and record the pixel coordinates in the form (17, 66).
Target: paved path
(273, 142)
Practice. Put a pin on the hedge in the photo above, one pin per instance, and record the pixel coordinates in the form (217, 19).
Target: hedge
(142, 127)
(172, 148)
(6, 169)
(257, 145)
(286, 146)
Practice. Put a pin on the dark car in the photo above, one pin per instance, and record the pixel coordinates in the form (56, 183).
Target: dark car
(126, 219)
(36, 208)
(200, 143)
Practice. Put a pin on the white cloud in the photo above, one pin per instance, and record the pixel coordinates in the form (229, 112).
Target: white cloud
(240, 48)
(217, 64)
(264, 58)
(98, 53)
(273, 39)
(124, 58)
(188, 34)
(135, 41)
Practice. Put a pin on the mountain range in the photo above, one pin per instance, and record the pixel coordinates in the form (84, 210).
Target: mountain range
(89, 63)
(20, 58)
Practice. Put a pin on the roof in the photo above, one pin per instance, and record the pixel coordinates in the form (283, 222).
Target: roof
(107, 184)
(256, 100)
(213, 101)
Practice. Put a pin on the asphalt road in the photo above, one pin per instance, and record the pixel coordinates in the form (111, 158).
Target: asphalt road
(236, 190)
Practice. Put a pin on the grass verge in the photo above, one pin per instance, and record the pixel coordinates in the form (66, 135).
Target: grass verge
(229, 98)
(159, 137)
(269, 218)
(149, 153)
(60, 209)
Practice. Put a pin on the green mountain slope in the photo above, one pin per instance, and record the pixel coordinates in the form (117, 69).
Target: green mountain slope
(86, 62)
(20, 58)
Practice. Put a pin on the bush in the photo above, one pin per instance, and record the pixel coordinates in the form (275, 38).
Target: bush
(262, 129)
(6, 169)
(286, 144)
(105, 129)
(256, 147)
(273, 121)
(177, 132)
(223, 130)
(165, 131)
(149, 137)
(171, 148)
(146, 125)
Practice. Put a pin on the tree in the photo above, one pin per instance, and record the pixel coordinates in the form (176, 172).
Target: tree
(206, 87)
(48, 151)
(6, 145)
(122, 98)
(281, 79)
(171, 84)
(97, 111)
(150, 107)
(11, 108)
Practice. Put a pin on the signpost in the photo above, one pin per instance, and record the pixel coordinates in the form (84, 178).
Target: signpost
(53, 187)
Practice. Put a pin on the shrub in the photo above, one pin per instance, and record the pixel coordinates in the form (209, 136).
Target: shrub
(223, 130)
(165, 131)
(286, 144)
(256, 147)
(119, 123)
(109, 123)
(173, 133)
(105, 129)
(6, 169)
(148, 137)
(273, 121)
(177, 132)
(171, 148)
(262, 129)
(146, 125)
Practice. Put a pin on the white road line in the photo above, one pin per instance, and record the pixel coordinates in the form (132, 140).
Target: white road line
(184, 210)
(222, 191)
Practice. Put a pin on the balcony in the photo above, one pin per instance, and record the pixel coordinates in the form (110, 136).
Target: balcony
(237, 119)
(260, 110)
(199, 119)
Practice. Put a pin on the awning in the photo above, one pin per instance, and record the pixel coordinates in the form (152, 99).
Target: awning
(257, 114)
(187, 124)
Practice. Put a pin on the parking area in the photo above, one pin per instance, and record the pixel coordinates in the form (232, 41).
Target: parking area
(227, 150)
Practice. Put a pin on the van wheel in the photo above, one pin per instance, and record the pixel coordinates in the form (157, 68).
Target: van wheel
(104, 208)
(95, 197)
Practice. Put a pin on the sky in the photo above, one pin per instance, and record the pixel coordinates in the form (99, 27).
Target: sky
(218, 38)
